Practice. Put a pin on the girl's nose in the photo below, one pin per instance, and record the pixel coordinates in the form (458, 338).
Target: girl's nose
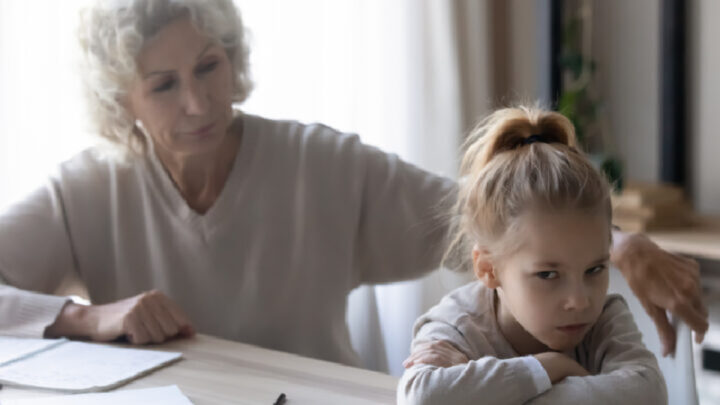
(577, 299)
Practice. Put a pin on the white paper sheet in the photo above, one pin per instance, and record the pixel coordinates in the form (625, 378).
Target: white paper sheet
(170, 395)
(13, 348)
(83, 367)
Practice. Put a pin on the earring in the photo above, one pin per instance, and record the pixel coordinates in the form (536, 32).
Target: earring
(141, 129)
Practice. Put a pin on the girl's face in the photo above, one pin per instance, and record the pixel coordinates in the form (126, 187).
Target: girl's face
(552, 289)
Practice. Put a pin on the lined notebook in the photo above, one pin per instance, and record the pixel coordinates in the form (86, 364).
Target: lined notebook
(170, 395)
(68, 366)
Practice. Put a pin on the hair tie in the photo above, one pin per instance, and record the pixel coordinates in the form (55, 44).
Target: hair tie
(536, 138)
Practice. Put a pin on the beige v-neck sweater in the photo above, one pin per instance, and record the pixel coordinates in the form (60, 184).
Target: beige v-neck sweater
(622, 370)
(306, 215)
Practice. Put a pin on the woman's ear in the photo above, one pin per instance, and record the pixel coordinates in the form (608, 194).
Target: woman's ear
(483, 267)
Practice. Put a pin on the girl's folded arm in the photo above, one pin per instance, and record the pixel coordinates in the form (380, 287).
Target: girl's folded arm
(628, 372)
(486, 379)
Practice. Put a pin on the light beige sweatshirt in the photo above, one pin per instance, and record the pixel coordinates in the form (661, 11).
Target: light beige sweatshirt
(622, 370)
(307, 214)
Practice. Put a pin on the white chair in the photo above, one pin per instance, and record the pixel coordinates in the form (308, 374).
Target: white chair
(679, 372)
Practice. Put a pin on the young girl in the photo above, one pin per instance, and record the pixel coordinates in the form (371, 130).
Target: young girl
(535, 218)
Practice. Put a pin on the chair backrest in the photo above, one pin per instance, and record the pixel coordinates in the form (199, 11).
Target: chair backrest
(678, 370)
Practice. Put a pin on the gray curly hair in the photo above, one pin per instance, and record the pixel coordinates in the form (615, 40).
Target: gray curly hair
(112, 33)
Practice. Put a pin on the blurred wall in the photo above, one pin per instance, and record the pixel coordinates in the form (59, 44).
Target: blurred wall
(704, 103)
(626, 47)
(626, 44)
(515, 51)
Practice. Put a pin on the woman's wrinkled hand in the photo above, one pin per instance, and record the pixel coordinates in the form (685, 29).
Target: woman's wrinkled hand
(662, 281)
(150, 317)
(439, 353)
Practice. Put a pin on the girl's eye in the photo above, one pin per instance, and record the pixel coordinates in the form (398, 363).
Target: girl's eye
(208, 67)
(547, 275)
(595, 270)
(167, 85)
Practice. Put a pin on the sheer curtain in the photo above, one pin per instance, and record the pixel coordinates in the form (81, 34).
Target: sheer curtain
(42, 119)
(409, 76)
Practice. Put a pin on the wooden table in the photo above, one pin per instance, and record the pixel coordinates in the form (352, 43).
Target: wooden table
(217, 371)
(701, 240)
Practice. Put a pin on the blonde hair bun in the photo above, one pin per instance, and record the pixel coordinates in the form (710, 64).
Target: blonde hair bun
(517, 159)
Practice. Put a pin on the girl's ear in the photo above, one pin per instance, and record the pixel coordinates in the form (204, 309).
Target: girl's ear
(483, 267)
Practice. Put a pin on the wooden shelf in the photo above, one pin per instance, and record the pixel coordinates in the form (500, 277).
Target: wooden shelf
(701, 240)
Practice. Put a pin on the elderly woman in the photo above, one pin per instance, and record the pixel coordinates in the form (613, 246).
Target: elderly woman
(212, 220)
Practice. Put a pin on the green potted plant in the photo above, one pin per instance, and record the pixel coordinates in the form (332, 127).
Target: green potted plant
(577, 99)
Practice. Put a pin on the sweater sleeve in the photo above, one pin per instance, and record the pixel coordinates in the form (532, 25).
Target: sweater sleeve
(486, 379)
(35, 256)
(628, 372)
(402, 222)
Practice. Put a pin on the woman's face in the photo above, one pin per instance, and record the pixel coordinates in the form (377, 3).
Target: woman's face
(183, 93)
(554, 286)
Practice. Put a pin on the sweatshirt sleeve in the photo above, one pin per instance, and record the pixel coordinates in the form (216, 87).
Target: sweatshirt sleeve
(486, 379)
(35, 256)
(628, 372)
(402, 223)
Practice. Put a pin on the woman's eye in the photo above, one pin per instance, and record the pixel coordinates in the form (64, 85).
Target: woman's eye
(547, 275)
(208, 67)
(595, 270)
(167, 85)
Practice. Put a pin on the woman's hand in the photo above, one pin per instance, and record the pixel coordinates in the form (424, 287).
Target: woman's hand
(437, 353)
(558, 366)
(150, 317)
(662, 281)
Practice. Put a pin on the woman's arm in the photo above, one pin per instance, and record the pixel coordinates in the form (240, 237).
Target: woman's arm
(662, 282)
(402, 221)
(35, 257)
(149, 317)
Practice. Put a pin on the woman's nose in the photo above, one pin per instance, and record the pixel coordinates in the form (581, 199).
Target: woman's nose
(195, 98)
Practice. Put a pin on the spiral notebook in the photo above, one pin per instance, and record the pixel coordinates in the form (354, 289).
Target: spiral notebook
(68, 366)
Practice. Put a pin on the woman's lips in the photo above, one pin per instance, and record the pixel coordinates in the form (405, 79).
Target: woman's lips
(574, 328)
(202, 131)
